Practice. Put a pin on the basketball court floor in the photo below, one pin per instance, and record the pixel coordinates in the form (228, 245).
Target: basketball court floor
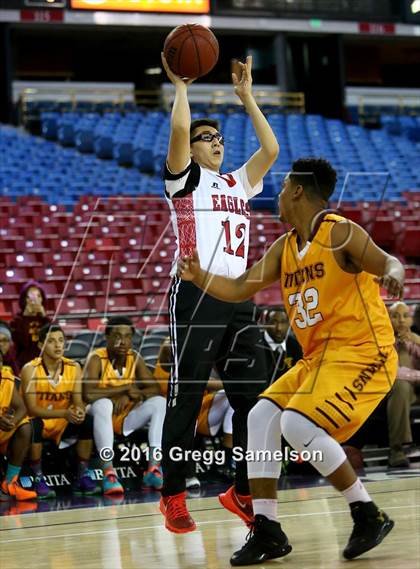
(128, 533)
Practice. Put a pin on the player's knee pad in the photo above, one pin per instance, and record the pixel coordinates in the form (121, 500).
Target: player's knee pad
(303, 435)
(262, 414)
(264, 435)
(297, 430)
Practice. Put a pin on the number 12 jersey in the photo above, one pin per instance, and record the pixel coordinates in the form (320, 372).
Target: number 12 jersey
(210, 213)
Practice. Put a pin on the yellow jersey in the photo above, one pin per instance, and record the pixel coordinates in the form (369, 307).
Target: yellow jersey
(162, 377)
(329, 308)
(110, 377)
(52, 394)
(7, 385)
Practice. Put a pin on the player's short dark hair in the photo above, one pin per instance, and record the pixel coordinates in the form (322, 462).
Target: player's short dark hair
(276, 310)
(203, 122)
(47, 329)
(316, 175)
(118, 321)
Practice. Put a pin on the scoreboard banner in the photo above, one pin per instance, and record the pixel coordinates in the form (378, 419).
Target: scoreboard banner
(175, 6)
(376, 10)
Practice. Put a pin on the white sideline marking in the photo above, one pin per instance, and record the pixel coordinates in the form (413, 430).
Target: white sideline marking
(199, 524)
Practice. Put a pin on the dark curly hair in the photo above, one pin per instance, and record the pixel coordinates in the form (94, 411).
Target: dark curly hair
(316, 175)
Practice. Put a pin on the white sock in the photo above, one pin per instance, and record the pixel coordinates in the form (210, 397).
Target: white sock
(356, 493)
(267, 508)
(103, 431)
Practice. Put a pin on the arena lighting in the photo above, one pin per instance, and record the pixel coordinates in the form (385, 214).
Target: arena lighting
(153, 71)
(173, 6)
(415, 7)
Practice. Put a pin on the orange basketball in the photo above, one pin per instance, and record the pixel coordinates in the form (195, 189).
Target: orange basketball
(191, 50)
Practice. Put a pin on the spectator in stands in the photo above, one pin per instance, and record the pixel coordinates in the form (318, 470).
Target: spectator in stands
(284, 350)
(52, 391)
(215, 412)
(416, 329)
(406, 389)
(124, 397)
(15, 436)
(416, 320)
(27, 324)
(8, 350)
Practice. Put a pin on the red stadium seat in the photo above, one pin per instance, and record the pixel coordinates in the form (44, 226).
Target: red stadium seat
(9, 290)
(410, 244)
(58, 258)
(95, 257)
(125, 270)
(269, 296)
(24, 259)
(15, 274)
(51, 273)
(412, 289)
(115, 303)
(151, 302)
(36, 245)
(75, 305)
(5, 310)
(156, 285)
(410, 271)
(383, 232)
(66, 244)
(88, 272)
(84, 287)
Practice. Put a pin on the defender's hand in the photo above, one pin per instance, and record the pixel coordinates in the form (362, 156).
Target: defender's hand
(394, 285)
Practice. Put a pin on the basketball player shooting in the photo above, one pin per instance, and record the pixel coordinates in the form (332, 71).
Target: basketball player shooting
(330, 271)
(210, 212)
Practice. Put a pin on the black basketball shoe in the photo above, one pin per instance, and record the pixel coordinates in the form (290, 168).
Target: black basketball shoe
(266, 540)
(371, 525)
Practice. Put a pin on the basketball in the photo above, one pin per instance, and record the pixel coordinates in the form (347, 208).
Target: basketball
(191, 50)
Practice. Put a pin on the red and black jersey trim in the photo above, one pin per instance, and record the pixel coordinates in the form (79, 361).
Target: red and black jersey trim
(191, 183)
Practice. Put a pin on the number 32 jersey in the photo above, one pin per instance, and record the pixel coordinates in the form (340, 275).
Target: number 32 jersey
(329, 308)
(210, 213)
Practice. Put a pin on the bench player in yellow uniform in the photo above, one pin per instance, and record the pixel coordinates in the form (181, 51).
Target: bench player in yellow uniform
(215, 411)
(15, 436)
(330, 271)
(124, 397)
(52, 391)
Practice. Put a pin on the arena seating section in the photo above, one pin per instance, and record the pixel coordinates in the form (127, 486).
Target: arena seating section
(81, 209)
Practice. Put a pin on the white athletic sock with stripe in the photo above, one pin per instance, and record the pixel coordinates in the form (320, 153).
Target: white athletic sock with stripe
(356, 493)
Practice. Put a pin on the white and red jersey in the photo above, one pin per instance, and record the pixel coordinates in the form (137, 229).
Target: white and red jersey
(210, 213)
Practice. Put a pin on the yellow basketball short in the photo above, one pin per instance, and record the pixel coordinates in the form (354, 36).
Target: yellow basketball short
(6, 436)
(338, 390)
(118, 420)
(53, 429)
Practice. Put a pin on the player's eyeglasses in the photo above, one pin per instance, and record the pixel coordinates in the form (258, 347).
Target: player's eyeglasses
(208, 137)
